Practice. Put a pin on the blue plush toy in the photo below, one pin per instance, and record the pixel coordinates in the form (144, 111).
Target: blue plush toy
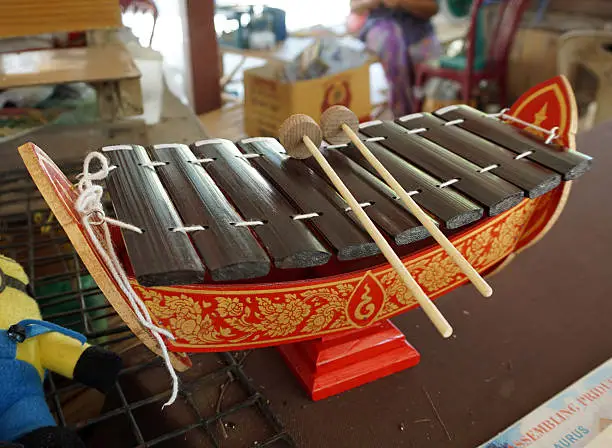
(29, 347)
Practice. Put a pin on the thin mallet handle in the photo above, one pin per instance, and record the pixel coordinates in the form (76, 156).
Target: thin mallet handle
(471, 273)
(430, 309)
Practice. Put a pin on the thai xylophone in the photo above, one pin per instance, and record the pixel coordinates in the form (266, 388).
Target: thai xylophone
(244, 244)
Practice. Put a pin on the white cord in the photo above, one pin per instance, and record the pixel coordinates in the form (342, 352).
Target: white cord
(448, 182)
(188, 229)
(89, 205)
(247, 223)
(501, 113)
(454, 122)
(552, 133)
(152, 165)
(305, 216)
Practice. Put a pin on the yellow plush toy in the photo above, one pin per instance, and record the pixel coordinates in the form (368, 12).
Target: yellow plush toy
(29, 347)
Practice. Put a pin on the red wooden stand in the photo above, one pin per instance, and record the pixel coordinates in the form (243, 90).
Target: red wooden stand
(336, 363)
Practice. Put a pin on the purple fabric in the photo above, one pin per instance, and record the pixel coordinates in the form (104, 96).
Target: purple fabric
(414, 28)
(391, 38)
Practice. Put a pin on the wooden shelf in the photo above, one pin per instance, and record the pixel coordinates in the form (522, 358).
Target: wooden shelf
(66, 65)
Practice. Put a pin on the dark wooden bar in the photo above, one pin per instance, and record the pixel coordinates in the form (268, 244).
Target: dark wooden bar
(310, 194)
(533, 179)
(399, 224)
(229, 252)
(449, 207)
(570, 165)
(288, 242)
(494, 193)
(159, 256)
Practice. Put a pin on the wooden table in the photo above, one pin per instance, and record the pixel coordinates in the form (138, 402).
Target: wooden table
(110, 69)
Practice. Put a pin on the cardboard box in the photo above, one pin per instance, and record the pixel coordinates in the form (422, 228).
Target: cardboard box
(268, 101)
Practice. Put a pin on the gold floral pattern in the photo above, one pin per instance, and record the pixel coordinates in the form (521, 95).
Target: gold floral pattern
(321, 319)
(282, 319)
(330, 303)
(247, 318)
(273, 317)
(506, 238)
(440, 272)
(396, 288)
(476, 249)
(184, 315)
(229, 306)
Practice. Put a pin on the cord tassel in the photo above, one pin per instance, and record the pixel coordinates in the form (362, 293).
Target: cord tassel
(89, 206)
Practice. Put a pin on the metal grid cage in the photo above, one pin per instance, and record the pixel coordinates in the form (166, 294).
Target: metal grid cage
(218, 406)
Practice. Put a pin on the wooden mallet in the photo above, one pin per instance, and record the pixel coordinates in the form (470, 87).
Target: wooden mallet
(301, 136)
(340, 126)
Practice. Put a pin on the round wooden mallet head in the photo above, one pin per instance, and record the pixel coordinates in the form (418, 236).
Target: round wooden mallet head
(291, 135)
(331, 123)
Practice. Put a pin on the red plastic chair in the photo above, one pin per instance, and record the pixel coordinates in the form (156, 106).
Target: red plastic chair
(494, 67)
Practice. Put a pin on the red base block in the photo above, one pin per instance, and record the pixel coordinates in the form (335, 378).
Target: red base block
(334, 364)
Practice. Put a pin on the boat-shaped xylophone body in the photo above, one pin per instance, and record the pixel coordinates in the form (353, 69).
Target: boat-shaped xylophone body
(244, 247)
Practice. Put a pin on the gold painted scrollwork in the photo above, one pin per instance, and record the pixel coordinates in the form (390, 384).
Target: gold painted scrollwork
(366, 308)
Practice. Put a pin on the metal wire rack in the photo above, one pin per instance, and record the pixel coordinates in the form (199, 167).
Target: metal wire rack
(218, 405)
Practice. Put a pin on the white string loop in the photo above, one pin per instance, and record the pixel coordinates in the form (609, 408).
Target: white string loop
(89, 206)
(553, 133)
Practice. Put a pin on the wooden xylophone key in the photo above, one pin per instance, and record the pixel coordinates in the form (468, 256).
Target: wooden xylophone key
(159, 256)
(377, 201)
(533, 179)
(229, 252)
(298, 135)
(447, 206)
(319, 204)
(570, 165)
(492, 192)
(343, 119)
(289, 242)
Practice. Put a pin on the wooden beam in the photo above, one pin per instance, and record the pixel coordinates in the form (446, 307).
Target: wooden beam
(204, 55)
(30, 17)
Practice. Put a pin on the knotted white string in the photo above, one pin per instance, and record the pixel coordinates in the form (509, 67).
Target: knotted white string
(552, 133)
(89, 206)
